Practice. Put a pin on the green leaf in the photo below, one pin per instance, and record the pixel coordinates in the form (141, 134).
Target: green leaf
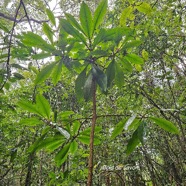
(79, 84)
(73, 147)
(145, 54)
(118, 128)
(75, 127)
(110, 72)
(74, 22)
(30, 122)
(29, 107)
(165, 124)
(54, 145)
(56, 74)
(132, 44)
(34, 146)
(66, 115)
(48, 32)
(126, 65)
(45, 73)
(133, 58)
(31, 39)
(88, 87)
(99, 14)
(18, 66)
(119, 76)
(61, 156)
(43, 106)
(133, 143)
(141, 131)
(100, 78)
(49, 142)
(86, 19)
(87, 131)
(72, 31)
(86, 139)
(18, 76)
(51, 16)
(42, 55)
(125, 14)
(144, 8)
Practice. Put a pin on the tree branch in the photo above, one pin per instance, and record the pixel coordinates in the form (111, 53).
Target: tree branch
(21, 20)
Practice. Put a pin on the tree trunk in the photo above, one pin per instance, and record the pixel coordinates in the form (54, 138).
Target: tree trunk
(91, 145)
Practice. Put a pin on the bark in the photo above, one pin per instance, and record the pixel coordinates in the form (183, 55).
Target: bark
(91, 145)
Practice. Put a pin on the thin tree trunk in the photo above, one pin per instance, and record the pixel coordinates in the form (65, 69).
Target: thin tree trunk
(29, 171)
(91, 145)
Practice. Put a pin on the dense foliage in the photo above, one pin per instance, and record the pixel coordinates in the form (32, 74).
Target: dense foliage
(92, 92)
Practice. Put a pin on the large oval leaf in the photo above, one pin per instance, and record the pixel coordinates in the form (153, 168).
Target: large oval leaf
(100, 78)
(86, 19)
(99, 14)
(43, 106)
(45, 73)
(133, 58)
(61, 156)
(165, 124)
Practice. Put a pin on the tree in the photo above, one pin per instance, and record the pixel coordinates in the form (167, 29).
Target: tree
(102, 56)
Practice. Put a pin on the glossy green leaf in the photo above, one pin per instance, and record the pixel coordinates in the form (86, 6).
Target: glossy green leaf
(100, 78)
(165, 124)
(134, 59)
(79, 84)
(72, 31)
(56, 74)
(118, 128)
(110, 72)
(88, 87)
(99, 14)
(133, 143)
(30, 122)
(61, 156)
(44, 73)
(43, 106)
(48, 32)
(86, 19)
(51, 16)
